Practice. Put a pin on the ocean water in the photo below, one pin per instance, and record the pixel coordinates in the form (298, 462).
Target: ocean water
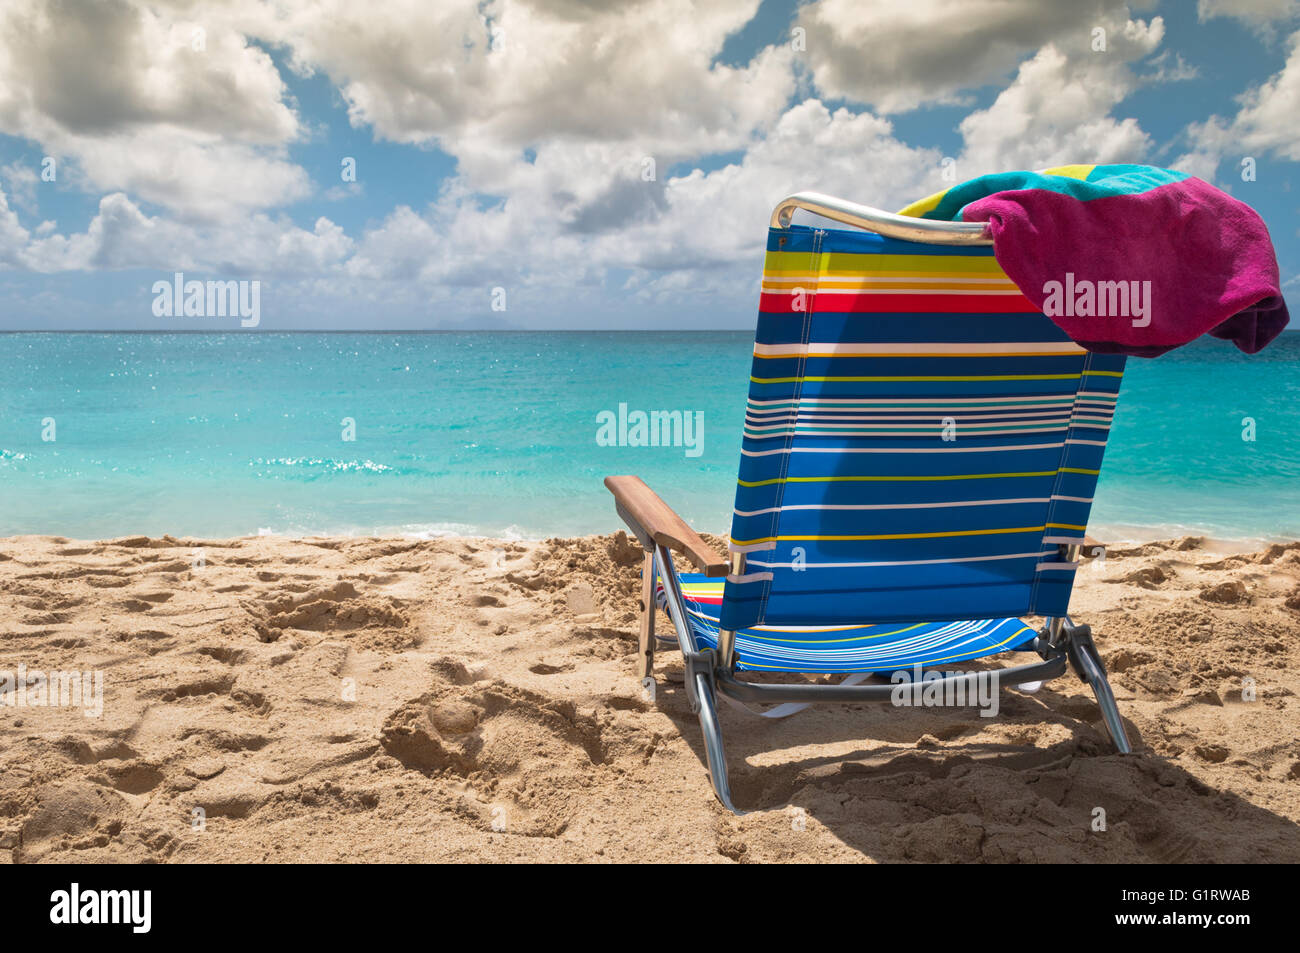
(499, 434)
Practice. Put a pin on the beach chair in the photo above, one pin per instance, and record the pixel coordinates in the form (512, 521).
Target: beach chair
(920, 451)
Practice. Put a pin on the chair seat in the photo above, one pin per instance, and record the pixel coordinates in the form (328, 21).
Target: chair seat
(881, 648)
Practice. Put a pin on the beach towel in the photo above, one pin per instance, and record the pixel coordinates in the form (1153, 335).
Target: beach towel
(1127, 259)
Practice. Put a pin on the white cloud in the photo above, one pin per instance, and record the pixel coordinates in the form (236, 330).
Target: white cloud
(121, 236)
(722, 215)
(577, 212)
(122, 91)
(197, 176)
(1167, 69)
(514, 74)
(13, 237)
(1260, 15)
(898, 56)
(551, 110)
(403, 246)
(1264, 125)
(20, 181)
(1058, 109)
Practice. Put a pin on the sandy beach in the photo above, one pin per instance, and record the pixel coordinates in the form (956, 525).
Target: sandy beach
(385, 699)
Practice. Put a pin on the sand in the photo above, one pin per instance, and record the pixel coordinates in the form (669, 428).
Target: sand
(333, 699)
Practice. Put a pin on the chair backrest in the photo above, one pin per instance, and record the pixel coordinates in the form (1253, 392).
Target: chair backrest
(920, 442)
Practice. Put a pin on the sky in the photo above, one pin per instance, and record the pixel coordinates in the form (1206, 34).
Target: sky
(571, 164)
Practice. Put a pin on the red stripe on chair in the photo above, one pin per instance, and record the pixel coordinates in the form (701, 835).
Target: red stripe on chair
(832, 303)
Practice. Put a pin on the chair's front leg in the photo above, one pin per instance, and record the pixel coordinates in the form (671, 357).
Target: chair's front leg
(1110, 717)
(646, 655)
(714, 754)
(1088, 665)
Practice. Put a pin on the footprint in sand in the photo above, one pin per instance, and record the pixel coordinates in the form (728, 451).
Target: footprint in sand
(134, 777)
(376, 622)
(223, 653)
(1227, 593)
(541, 668)
(144, 601)
(78, 813)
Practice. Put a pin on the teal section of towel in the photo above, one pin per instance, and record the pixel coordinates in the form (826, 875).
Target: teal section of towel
(1101, 182)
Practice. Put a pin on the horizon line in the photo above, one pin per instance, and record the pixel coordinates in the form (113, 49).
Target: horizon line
(251, 333)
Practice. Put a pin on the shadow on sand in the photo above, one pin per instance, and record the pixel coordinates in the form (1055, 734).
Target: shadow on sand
(920, 785)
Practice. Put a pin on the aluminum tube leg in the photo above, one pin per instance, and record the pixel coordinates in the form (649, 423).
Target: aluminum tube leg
(713, 743)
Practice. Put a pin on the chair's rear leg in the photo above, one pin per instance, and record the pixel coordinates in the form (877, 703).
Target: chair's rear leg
(1087, 663)
(717, 758)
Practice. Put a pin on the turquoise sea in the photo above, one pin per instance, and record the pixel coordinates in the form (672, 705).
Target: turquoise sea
(496, 433)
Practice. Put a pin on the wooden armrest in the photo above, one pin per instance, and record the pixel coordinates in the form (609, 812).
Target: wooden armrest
(651, 518)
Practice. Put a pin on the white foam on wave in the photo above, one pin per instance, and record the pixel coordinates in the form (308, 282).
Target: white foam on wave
(1216, 537)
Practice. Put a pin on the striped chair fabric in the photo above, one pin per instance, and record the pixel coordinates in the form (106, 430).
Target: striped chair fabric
(919, 441)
